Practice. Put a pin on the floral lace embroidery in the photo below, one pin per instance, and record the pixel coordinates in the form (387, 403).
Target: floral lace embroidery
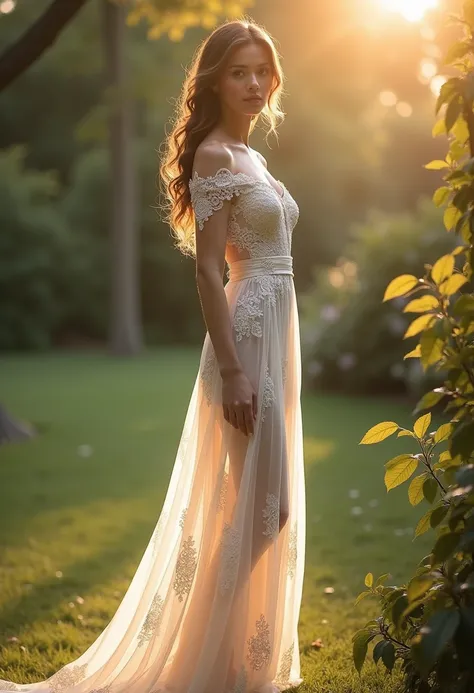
(8, 685)
(240, 685)
(183, 517)
(67, 677)
(209, 193)
(104, 689)
(249, 306)
(223, 492)
(271, 513)
(292, 553)
(185, 569)
(247, 316)
(284, 671)
(259, 649)
(268, 397)
(151, 624)
(229, 557)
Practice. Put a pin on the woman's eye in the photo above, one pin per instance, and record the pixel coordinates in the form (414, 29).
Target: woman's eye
(264, 71)
(237, 73)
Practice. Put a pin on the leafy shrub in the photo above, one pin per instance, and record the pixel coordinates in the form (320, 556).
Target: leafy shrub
(33, 244)
(348, 334)
(427, 624)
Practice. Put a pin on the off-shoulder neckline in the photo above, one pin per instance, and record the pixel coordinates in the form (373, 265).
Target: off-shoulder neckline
(195, 176)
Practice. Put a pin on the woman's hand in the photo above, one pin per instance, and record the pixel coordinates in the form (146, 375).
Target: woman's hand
(239, 401)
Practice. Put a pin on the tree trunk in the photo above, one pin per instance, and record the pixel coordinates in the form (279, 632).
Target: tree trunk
(37, 38)
(125, 332)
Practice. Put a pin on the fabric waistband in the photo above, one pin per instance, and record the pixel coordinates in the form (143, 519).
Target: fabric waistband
(256, 266)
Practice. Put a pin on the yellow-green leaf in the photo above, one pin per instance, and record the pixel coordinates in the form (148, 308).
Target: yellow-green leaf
(419, 324)
(399, 470)
(453, 284)
(441, 195)
(415, 353)
(443, 268)
(379, 432)
(443, 433)
(422, 424)
(415, 490)
(431, 349)
(369, 580)
(400, 286)
(436, 165)
(451, 216)
(439, 128)
(424, 524)
(404, 433)
(420, 305)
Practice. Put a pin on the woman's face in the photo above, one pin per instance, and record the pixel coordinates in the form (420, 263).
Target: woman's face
(248, 74)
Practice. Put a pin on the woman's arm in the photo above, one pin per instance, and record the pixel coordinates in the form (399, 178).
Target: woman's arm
(239, 398)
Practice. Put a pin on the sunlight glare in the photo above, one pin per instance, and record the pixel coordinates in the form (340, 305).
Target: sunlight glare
(411, 10)
(387, 98)
(7, 6)
(436, 84)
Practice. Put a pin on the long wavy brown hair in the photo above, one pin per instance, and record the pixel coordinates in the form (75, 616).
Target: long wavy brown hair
(198, 112)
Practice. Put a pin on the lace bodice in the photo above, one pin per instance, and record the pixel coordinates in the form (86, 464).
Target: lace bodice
(261, 220)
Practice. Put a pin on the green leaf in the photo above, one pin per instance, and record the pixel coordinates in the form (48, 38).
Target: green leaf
(415, 490)
(377, 653)
(418, 586)
(399, 470)
(464, 304)
(435, 636)
(438, 515)
(462, 441)
(453, 111)
(369, 580)
(362, 596)
(428, 400)
(421, 425)
(398, 608)
(381, 579)
(388, 655)
(379, 432)
(445, 546)
(430, 489)
(359, 648)
(400, 286)
(442, 268)
(423, 524)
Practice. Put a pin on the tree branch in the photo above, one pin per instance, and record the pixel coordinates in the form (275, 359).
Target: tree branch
(19, 56)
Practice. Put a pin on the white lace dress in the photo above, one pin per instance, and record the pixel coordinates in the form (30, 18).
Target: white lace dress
(214, 604)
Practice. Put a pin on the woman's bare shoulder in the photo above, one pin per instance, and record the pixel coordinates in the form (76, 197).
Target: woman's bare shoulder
(210, 156)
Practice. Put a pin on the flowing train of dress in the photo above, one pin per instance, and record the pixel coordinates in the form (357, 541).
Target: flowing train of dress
(214, 604)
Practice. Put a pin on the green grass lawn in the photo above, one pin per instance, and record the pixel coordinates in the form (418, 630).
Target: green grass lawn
(78, 505)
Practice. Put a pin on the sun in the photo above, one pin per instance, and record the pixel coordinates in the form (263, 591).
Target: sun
(411, 10)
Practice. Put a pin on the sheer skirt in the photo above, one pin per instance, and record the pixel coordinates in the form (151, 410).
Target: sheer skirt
(214, 604)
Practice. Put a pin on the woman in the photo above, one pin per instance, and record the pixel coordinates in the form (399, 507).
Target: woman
(214, 604)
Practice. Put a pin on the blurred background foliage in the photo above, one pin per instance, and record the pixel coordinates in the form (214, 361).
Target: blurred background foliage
(360, 92)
